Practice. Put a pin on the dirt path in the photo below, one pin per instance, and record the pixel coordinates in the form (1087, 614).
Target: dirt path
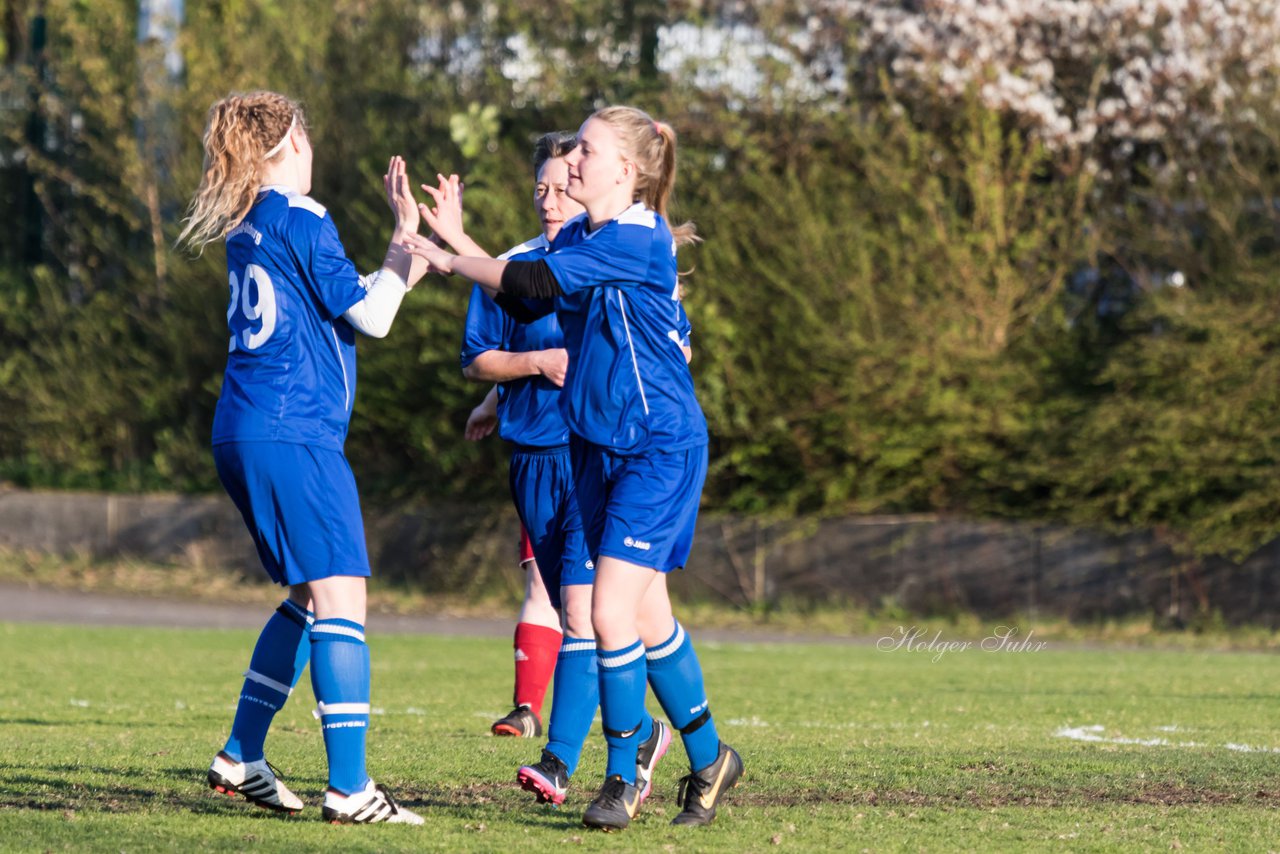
(22, 604)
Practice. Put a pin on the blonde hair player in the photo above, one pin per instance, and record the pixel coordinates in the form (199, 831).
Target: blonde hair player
(638, 441)
(541, 472)
(296, 304)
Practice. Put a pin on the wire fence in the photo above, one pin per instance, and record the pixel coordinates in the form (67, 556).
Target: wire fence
(908, 564)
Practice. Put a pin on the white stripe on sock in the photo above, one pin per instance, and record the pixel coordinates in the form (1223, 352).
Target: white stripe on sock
(302, 612)
(616, 661)
(331, 629)
(664, 649)
(323, 709)
(576, 645)
(282, 688)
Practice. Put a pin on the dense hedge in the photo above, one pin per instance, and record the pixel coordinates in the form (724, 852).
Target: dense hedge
(896, 308)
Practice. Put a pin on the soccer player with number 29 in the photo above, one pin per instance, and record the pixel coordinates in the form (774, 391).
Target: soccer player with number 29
(279, 430)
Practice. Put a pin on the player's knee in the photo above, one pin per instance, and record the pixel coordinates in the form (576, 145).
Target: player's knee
(578, 621)
(612, 621)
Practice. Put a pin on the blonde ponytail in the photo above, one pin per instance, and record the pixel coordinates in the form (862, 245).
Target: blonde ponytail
(243, 132)
(651, 145)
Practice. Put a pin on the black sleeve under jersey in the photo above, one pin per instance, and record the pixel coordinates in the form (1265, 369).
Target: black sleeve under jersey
(516, 308)
(530, 280)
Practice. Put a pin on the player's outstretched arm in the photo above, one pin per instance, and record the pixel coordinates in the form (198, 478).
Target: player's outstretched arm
(484, 271)
(523, 289)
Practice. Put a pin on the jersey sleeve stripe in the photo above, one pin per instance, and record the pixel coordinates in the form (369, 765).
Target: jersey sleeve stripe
(307, 204)
(622, 303)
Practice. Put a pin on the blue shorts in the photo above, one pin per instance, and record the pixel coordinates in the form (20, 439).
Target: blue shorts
(300, 505)
(641, 509)
(542, 488)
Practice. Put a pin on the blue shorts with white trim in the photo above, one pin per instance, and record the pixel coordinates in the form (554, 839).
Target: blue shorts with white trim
(641, 508)
(300, 505)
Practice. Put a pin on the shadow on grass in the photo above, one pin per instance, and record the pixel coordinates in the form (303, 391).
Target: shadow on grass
(80, 722)
(1154, 794)
(83, 788)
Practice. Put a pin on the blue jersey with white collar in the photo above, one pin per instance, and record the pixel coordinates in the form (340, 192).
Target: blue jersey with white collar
(628, 388)
(291, 361)
(528, 408)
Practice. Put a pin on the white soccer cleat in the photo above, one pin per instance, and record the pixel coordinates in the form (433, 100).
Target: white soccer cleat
(256, 780)
(373, 804)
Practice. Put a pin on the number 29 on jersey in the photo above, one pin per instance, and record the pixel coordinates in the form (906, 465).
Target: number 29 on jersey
(253, 298)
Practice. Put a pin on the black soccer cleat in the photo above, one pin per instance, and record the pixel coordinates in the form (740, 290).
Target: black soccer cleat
(520, 722)
(615, 805)
(701, 790)
(548, 780)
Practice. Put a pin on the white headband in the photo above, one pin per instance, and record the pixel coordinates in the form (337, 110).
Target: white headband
(280, 145)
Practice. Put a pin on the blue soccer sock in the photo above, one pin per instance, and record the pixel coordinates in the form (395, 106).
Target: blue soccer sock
(622, 712)
(340, 679)
(676, 678)
(575, 696)
(278, 660)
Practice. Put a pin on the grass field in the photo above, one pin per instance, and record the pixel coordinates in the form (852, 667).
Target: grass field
(105, 735)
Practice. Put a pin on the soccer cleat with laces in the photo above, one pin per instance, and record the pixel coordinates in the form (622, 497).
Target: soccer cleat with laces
(648, 753)
(257, 781)
(520, 722)
(372, 804)
(701, 791)
(615, 805)
(548, 780)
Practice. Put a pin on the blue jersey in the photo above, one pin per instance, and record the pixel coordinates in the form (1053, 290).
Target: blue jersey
(528, 408)
(291, 362)
(628, 388)
(683, 327)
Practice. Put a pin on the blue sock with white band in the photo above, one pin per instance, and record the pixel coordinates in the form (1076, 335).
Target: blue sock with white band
(278, 660)
(575, 696)
(622, 712)
(676, 678)
(340, 679)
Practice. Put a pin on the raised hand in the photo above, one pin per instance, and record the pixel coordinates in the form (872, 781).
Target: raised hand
(399, 197)
(445, 218)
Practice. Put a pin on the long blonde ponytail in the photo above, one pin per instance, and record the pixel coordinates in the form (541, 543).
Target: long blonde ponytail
(242, 129)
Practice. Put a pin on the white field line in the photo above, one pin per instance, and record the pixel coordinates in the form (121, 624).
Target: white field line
(1096, 734)
(1245, 748)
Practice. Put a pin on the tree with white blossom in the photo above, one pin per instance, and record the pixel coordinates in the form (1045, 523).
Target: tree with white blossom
(1110, 78)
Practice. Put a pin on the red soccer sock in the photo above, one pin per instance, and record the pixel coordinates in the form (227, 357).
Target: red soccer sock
(536, 650)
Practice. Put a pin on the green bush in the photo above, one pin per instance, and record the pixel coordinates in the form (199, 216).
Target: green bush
(883, 309)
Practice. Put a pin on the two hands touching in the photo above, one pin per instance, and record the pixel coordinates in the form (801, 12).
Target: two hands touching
(444, 219)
